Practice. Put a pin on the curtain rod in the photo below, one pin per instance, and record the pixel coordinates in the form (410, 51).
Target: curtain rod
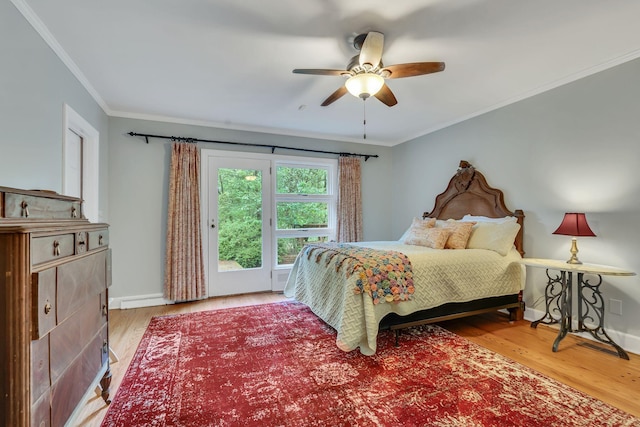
(248, 144)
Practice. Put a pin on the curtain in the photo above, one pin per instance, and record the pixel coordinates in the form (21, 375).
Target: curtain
(349, 200)
(184, 270)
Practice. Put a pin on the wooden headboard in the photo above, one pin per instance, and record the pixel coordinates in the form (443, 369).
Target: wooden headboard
(469, 193)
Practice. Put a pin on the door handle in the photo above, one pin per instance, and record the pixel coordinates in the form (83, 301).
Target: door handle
(213, 224)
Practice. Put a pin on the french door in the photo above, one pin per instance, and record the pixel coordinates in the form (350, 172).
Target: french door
(239, 231)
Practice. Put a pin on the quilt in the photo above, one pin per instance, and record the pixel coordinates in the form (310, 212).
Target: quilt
(439, 277)
(386, 276)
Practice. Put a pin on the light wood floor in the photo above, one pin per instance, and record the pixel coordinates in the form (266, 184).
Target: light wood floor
(595, 372)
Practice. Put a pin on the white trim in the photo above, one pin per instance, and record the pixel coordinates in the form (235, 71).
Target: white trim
(630, 343)
(277, 271)
(138, 301)
(90, 159)
(247, 128)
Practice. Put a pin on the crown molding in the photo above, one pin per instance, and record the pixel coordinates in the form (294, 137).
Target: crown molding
(51, 41)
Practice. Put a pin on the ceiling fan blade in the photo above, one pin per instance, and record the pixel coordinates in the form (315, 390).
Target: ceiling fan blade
(386, 96)
(335, 96)
(413, 69)
(320, 71)
(371, 51)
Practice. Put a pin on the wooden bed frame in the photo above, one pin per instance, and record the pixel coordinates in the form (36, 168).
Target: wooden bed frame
(467, 193)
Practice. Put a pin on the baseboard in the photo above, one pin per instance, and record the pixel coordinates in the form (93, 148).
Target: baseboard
(138, 301)
(631, 343)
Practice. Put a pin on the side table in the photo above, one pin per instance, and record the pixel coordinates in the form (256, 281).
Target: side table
(559, 298)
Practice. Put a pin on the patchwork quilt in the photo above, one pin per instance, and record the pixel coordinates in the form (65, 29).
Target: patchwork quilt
(386, 276)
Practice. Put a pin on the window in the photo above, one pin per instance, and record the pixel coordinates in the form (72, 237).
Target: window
(305, 204)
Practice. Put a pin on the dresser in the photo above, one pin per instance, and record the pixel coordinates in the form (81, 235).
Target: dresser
(55, 271)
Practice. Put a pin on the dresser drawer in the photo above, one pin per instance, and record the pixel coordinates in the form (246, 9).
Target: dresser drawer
(80, 281)
(98, 239)
(70, 337)
(32, 207)
(49, 248)
(40, 379)
(43, 300)
(76, 379)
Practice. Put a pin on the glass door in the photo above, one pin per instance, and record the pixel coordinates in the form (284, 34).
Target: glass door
(239, 232)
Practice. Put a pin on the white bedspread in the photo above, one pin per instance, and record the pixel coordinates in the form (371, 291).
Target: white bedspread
(440, 276)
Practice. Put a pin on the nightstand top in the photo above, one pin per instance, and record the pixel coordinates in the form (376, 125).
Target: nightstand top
(555, 264)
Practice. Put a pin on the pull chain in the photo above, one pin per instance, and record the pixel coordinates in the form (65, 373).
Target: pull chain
(364, 118)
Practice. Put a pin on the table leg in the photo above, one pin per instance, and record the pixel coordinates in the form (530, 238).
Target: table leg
(552, 294)
(566, 307)
(591, 309)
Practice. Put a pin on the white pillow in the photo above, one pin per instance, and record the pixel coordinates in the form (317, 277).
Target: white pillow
(495, 236)
(476, 218)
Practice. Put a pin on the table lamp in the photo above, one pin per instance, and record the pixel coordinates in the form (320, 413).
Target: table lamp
(574, 225)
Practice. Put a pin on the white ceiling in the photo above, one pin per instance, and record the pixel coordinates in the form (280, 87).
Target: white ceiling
(227, 63)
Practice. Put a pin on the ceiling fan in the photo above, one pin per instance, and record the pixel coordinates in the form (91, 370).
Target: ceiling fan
(366, 73)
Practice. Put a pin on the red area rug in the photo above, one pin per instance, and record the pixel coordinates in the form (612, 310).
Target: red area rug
(278, 365)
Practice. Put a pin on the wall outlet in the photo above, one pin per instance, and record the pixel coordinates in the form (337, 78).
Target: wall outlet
(615, 306)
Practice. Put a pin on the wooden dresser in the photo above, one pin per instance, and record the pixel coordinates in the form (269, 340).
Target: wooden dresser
(55, 270)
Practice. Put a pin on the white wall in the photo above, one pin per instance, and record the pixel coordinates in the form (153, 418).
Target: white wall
(34, 86)
(138, 195)
(573, 149)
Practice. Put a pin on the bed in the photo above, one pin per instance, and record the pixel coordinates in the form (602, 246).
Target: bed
(362, 288)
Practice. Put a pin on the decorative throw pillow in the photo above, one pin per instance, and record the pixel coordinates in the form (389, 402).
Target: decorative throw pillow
(424, 222)
(460, 232)
(418, 224)
(497, 237)
(430, 237)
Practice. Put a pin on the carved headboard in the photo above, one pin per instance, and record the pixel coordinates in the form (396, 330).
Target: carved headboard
(469, 193)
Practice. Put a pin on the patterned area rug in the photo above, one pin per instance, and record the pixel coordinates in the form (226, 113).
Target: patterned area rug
(278, 365)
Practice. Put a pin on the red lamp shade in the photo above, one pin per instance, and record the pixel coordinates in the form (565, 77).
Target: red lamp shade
(574, 224)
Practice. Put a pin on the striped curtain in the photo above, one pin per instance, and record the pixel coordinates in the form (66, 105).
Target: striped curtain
(184, 270)
(349, 200)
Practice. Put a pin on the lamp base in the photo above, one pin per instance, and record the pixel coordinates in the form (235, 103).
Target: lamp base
(574, 252)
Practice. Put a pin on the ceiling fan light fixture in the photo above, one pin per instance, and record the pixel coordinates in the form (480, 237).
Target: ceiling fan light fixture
(364, 85)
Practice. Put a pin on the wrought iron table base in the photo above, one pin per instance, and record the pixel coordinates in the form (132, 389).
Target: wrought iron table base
(559, 300)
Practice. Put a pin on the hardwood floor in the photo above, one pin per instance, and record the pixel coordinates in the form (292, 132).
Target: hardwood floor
(595, 372)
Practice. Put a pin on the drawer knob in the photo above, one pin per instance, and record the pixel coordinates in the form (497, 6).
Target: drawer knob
(74, 212)
(100, 240)
(25, 209)
(56, 248)
(47, 308)
(81, 242)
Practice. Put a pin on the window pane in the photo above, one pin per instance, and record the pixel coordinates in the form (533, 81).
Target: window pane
(293, 215)
(289, 247)
(294, 180)
(239, 219)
